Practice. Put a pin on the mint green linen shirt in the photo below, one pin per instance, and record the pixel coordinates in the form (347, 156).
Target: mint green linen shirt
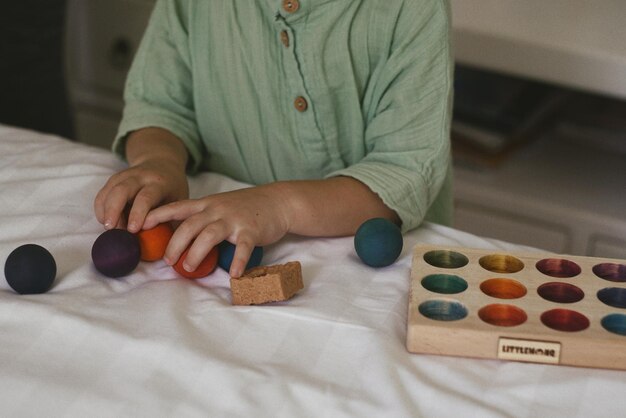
(372, 80)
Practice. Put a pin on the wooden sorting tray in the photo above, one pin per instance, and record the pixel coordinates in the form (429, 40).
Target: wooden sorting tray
(542, 308)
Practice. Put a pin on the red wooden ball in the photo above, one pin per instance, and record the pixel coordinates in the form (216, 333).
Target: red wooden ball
(206, 267)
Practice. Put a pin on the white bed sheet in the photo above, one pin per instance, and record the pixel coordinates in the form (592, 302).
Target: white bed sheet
(153, 344)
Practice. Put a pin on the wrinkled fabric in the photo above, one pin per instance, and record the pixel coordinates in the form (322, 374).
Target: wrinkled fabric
(153, 344)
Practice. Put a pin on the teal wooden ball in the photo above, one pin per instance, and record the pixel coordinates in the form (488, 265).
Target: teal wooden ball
(378, 242)
(227, 252)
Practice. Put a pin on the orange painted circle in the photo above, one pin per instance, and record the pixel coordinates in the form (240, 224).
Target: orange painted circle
(502, 315)
(206, 267)
(153, 242)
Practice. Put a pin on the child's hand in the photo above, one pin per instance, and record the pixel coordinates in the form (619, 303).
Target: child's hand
(156, 176)
(142, 187)
(246, 217)
(264, 214)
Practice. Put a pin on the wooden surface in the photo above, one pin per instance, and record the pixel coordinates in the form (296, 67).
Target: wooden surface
(524, 340)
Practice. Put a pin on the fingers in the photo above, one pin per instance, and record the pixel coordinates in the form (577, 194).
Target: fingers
(176, 211)
(140, 187)
(200, 234)
(245, 217)
(111, 200)
(243, 250)
(208, 238)
(98, 205)
(146, 199)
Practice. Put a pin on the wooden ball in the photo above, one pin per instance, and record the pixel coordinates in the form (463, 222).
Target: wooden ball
(153, 242)
(116, 253)
(30, 269)
(206, 267)
(227, 251)
(378, 242)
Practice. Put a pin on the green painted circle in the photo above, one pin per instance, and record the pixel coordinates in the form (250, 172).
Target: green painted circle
(444, 283)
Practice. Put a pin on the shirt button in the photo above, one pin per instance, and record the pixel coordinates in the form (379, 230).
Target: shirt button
(291, 6)
(300, 104)
(284, 38)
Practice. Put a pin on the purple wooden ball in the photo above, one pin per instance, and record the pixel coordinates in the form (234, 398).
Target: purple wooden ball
(116, 253)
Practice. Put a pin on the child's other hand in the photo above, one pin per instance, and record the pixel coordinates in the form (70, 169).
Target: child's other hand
(157, 160)
(245, 217)
(262, 215)
(142, 187)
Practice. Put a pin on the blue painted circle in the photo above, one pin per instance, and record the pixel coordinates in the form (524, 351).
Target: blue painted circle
(615, 323)
(613, 296)
(227, 251)
(378, 242)
(443, 310)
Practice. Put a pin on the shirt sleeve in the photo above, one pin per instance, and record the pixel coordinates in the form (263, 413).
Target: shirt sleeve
(159, 90)
(407, 132)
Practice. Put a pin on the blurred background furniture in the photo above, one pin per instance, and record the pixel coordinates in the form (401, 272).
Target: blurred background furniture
(102, 38)
(562, 188)
(33, 92)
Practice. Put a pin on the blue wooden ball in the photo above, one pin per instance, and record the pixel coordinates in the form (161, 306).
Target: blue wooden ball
(378, 242)
(116, 253)
(30, 269)
(227, 251)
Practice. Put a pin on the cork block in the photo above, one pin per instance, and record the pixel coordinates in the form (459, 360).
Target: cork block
(265, 284)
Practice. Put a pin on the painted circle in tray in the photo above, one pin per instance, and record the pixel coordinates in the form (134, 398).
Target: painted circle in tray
(501, 263)
(444, 283)
(560, 292)
(446, 259)
(558, 267)
(613, 296)
(565, 320)
(443, 310)
(502, 288)
(502, 315)
(615, 323)
(612, 272)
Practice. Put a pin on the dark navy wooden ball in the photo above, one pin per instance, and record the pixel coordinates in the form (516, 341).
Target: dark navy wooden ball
(378, 242)
(115, 253)
(30, 269)
(227, 251)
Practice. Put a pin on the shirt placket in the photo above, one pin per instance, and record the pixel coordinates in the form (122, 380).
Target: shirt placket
(289, 24)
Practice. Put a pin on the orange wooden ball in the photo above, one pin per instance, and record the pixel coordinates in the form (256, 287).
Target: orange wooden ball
(153, 242)
(206, 267)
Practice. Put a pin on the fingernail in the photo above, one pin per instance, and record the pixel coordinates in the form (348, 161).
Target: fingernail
(132, 227)
(108, 224)
(188, 268)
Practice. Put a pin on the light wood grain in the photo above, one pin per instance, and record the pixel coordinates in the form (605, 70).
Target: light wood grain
(473, 337)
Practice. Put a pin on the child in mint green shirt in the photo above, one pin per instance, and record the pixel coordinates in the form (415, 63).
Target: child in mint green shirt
(338, 111)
